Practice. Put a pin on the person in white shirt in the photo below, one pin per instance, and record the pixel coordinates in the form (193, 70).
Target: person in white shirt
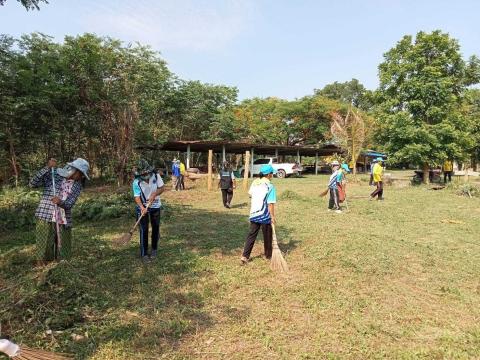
(147, 187)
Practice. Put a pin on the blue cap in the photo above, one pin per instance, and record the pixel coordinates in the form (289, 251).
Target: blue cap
(267, 169)
(379, 159)
(345, 167)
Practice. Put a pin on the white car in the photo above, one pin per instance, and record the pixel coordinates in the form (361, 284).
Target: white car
(283, 169)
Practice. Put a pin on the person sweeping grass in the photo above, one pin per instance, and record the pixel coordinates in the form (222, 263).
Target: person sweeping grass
(147, 187)
(262, 212)
(61, 189)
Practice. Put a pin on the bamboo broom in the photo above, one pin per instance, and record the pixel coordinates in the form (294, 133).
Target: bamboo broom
(15, 352)
(125, 238)
(277, 263)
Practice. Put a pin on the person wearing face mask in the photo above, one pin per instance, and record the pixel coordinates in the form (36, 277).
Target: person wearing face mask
(147, 187)
(61, 189)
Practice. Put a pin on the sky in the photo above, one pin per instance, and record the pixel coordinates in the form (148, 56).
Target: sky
(281, 48)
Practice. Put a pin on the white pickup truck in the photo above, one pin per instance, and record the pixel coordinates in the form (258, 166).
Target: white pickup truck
(283, 169)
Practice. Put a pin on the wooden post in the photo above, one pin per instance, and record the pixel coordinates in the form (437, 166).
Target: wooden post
(298, 156)
(209, 179)
(276, 154)
(246, 167)
(316, 163)
(251, 172)
(224, 156)
(188, 156)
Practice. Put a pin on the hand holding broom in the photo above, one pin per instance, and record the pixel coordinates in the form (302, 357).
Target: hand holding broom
(277, 263)
(13, 351)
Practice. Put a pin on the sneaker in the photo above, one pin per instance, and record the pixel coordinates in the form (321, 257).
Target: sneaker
(338, 211)
(145, 259)
(244, 260)
(153, 254)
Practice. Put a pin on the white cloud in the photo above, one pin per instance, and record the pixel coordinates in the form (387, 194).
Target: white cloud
(170, 24)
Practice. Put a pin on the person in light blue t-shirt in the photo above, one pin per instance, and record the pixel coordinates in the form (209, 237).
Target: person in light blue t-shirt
(335, 179)
(147, 187)
(262, 212)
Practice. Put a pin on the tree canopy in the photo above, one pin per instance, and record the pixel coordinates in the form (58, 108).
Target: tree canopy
(422, 85)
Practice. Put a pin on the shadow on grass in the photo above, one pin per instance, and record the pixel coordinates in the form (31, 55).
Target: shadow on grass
(107, 296)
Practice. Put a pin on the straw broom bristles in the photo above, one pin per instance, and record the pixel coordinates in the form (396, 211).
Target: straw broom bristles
(13, 351)
(125, 238)
(323, 193)
(277, 263)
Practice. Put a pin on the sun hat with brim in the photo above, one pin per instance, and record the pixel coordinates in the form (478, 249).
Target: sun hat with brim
(379, 159)
(335, 163)
(143, 167)
(345, 167)
(80, 164)
(267, 169)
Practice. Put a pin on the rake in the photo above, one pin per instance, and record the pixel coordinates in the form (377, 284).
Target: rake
(15, 352)
(277, 263)
(125, 238)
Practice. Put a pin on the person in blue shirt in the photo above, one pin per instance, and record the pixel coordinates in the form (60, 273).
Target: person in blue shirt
(177, 180)
(147, 187)
(335, 179)
(262, 212)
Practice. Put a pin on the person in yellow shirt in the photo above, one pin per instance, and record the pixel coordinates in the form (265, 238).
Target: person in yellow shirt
(447, 171)
(378, 180)
(183, 171)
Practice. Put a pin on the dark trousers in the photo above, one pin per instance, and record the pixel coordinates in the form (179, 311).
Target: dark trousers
(252, 236)
(178, 184)
(378, 191)
(182, 182)
(152, 216)
(447, 174)
(227, 197)
(333, 202)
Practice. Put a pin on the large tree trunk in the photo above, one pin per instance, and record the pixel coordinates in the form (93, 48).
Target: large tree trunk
(426, 173)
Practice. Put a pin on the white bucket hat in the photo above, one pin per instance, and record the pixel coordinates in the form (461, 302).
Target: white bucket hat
(80, 164)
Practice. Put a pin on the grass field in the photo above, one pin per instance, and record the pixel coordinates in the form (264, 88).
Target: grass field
(398, 279)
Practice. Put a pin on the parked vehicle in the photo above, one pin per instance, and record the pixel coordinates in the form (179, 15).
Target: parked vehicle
(283, 169)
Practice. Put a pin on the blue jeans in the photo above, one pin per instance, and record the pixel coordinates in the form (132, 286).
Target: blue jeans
(152, 216)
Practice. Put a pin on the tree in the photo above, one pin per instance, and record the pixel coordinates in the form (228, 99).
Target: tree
(472, 112)
(28, 4)
(350, 92)
(350, 132)
(422, 83)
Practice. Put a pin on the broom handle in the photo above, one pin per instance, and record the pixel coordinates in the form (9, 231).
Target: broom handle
(140, 218)
(58, 239)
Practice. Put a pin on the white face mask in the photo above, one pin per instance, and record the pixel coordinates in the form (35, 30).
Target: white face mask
(67, 171)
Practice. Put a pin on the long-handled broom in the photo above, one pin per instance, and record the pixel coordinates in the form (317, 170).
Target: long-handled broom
(13, 351)
(125, 238)
(277, 263)
(58, 238)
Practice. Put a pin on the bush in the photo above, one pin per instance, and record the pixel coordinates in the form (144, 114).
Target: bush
(468, 190)
(17, 207)
(104, 206)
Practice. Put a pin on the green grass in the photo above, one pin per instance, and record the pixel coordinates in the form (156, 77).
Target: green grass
(392, 279)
